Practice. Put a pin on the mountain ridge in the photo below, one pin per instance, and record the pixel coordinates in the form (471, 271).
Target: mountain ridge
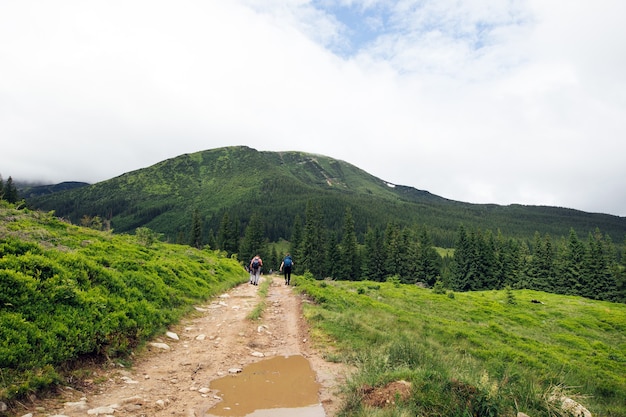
(240, 180)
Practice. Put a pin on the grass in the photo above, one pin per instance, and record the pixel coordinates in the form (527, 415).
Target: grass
(477, 353)
(257, 311)
(67, 292)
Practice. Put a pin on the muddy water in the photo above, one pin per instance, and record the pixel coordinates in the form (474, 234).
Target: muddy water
(280, 386)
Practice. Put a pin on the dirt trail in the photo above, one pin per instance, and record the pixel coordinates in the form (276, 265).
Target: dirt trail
(172, 377)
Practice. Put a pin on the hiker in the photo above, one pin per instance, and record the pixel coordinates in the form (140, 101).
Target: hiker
(285, 267)
(255, 269)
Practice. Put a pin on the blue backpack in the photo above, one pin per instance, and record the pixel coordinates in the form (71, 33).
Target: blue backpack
(287, 261)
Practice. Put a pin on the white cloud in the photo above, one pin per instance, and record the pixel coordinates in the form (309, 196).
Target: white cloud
(499, 102)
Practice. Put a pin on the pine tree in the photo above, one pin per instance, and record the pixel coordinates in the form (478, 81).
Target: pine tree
(373, 258)
(597, 283)
(228, 235)
(349, 268)
(462, 262)
(543, 265)
(295, 246)
(571, 266)
(620, 281)
(428, 261)
(508, 261)
(253, 242)
(408, 252)
(196, 230)
(332, 256)
(10, 191)
(275, 260)
(391, 249)
(313, 254)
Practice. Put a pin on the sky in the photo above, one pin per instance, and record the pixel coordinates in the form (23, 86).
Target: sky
(481, 101)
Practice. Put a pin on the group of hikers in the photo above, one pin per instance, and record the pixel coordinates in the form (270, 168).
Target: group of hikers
(256, 265)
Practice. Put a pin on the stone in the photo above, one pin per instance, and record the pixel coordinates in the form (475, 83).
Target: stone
(257, 354)
(172, 335)
(132, 400)
(158, 345)
(79, 405)
(101, 410)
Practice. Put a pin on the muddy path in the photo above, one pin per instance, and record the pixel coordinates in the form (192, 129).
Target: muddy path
(172, 376)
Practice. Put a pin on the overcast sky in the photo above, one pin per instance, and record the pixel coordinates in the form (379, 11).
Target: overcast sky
(481, 101)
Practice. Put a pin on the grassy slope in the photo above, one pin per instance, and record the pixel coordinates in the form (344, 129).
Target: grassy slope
(67, 292)
(240, 180)
(506, 355)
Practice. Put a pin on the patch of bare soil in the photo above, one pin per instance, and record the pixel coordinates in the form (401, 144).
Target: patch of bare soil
(172, 377)
(390, 394)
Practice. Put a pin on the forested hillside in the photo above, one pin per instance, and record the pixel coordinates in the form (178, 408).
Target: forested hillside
(239, 181)
(340, 222)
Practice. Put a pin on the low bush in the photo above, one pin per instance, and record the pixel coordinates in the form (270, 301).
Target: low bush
(68, 292)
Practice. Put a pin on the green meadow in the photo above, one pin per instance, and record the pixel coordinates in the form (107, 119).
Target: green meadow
(490, 353)
(70, 294)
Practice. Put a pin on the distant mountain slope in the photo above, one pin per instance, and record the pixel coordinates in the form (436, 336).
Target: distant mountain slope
(278, 185)
(27, 191)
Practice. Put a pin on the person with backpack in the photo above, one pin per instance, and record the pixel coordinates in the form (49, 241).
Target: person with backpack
(285, 267)
(255, 269)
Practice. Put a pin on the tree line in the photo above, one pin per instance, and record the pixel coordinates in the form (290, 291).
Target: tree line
(479, 260)
(8, 191)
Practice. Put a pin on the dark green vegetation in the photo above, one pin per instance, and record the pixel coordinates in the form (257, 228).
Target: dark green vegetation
(484, 353)
(27, 191)
(343, 223)
(69, 293)
(240, 181)
(8, 191)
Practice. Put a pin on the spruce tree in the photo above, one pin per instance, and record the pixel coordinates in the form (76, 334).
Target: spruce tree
(620, 281)
(274, 260)
(253, 242)
(313, 254)
(391, 248)
(507, 261)
(10, 191)
(349, 268)
(228, 235)
(332, 256)
(408, 249)
(196, 230)
(598, 277)
(541, 271)
(428, 261)
(295, 246)
(373, 258)
(572, 266)
(462, 262)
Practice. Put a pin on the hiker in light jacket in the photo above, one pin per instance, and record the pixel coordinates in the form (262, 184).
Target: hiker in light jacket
(255, 269)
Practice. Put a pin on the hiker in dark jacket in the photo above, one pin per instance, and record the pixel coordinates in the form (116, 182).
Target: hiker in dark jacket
(285, 267)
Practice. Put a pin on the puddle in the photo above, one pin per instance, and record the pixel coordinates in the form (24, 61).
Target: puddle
(279, 386)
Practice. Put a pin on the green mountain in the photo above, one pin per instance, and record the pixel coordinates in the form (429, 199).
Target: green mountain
(241, 181)
(31, 191)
